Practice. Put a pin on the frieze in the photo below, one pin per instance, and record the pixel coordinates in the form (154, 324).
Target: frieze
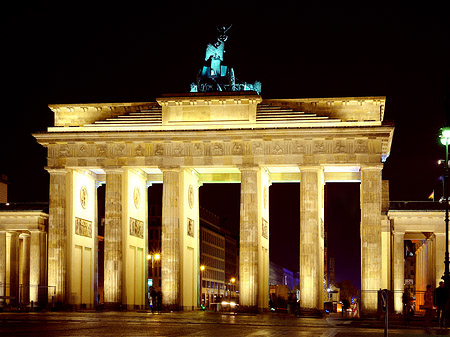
(139, 151)
(159, 150)
(217, 149)
(178, 150)
(64, 150)
(277, 149)
(101, 150)
(298, 147)
(83, 150)
(340, 146)
(237, 149)
(86, 154)
(361, 146)
(198, 149)
(120, 150)
(136, 228)
(257, 148)
(319, 146)
(83, 227)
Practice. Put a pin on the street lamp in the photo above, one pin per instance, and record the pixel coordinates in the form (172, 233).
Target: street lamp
(233, 281)
(202, 268)
(153, 257)
(445, 140)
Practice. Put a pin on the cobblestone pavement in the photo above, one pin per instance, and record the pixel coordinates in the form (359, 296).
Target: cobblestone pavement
(198, 323)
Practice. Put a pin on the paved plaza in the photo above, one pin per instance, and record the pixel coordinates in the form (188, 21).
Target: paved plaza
(198, 323)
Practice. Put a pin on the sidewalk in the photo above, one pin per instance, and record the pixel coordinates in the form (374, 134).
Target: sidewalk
(394, 322)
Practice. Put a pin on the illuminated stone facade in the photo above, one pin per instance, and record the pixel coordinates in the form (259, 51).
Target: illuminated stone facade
(23, 255)
(184, 141)
(422, 222)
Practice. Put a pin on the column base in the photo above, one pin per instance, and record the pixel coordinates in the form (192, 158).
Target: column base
(172, 307)
(113, 306)
(248, 309)
(310, 312)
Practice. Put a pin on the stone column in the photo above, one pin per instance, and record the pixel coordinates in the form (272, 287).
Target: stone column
(431, 261)
(170, 245)
(113, 239)
(57, 237)
(2, 264)
(398, 270)
(38, 258)
(25, 268)
(370, 236)
(248, 249)
(439, 256)
(14, 267)
(311, 238)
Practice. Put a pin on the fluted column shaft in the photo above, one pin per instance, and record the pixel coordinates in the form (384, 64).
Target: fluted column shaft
(370, 236)
(25, 268)
(248, 249)
(113, 263)
(399, 270)
(37, 263)
(311, 239)
(170, 240)
(57, 237)
(14, 266)
(2, 264)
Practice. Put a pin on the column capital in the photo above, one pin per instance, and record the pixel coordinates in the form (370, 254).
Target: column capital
(113, 169)
(56, 170)
(371, 167)
(170, 168)
(249, 167)
(398, 232)
(310, 168)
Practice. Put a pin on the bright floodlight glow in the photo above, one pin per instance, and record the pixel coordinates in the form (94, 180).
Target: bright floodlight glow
(233, 280)
(149, 257)
(202, 267)
(157, 256)
(445, 136)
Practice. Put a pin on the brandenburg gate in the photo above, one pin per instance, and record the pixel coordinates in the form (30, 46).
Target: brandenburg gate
(223, 131)
(184, 141)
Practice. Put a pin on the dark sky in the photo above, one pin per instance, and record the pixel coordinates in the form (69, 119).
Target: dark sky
(121, 53)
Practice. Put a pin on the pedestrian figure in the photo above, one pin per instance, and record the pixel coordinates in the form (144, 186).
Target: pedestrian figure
(153, 296)
(159, 300)
(428, 305)
(405, 300)
(440, 300)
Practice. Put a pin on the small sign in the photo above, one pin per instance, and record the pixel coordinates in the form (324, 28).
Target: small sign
(409, 282)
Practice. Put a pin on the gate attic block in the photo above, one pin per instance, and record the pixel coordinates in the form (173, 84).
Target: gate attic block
(186, 140)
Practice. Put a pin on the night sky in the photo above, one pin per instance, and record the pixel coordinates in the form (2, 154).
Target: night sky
(85, 54)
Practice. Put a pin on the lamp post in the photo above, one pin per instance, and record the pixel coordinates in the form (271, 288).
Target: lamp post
(445, 140)
(232, 280)
(154, 257)
(202, 268)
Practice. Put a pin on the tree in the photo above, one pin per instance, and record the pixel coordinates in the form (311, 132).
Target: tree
(347, 290)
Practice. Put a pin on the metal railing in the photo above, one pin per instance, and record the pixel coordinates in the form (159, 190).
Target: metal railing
(19, 296)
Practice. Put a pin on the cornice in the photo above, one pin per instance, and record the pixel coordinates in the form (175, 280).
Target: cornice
(78, 134)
